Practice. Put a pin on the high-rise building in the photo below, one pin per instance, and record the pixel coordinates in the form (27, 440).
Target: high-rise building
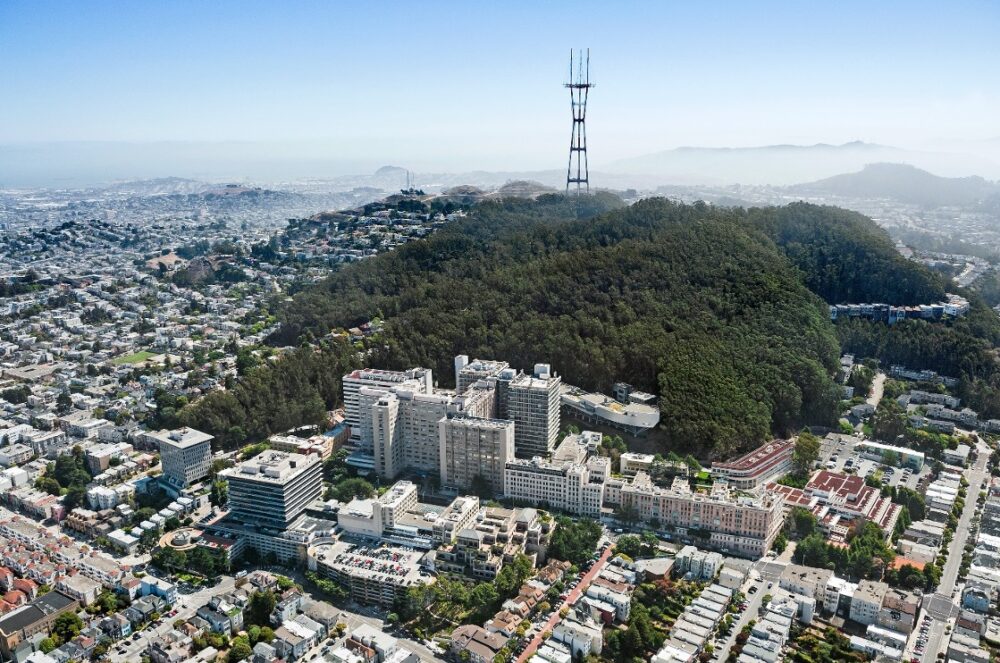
(532, 403)
(472, 448)
(468, 373)
(274, 488)
(185, 455)
(416, 379)
(398, 425)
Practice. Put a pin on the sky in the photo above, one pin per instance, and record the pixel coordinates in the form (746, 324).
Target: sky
(475, 85)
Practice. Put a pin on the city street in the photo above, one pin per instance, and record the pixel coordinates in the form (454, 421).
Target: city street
(187, 605)
(942, 606)
(570, 600)
(754, 603)
(878, 387)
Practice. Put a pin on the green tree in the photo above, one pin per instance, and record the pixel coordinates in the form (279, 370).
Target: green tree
(806, 452)
(63, 402)
(348, 489)
(66, 627)
(219, 495)
(240, 651)
(261, 606)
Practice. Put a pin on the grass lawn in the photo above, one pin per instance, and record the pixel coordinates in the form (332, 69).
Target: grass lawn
(135, 358)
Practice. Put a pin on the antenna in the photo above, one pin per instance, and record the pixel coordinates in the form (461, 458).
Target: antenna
(579, 88)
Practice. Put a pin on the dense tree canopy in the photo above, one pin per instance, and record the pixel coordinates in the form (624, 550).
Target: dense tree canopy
(964, 348)
(708, 307)
(689, 301)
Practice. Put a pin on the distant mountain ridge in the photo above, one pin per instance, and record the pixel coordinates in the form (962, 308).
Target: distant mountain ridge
(786, 164)
(906, 184)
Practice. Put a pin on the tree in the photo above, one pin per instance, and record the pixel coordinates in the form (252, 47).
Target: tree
(261, 606)
(66, 627)
(806, 452)
(240, 651)
(46, 645)
(802, 521)
(63, 402)
(889, 421)
(574, 541)
(219, 496)
(861, 379)
(630, 545)
(348, 489)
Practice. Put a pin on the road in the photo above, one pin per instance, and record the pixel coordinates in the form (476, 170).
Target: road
(187, 605)
(878, 387)
(754, 602)
(574, 595)
(942, 606)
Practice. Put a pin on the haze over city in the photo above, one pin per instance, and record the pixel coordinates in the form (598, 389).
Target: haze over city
(321, 89)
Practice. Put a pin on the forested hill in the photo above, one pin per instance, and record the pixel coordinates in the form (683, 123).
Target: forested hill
(844, 257)
(696, 303)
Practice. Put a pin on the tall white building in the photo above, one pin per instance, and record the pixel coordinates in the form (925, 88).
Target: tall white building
(416, 379)
(185, 455)
(398, 425)
(274, 488)
(471, 448)
(532, 403)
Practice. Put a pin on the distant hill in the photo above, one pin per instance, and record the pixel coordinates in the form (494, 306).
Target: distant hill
(906, 184)
(523, 189)
(782, 165)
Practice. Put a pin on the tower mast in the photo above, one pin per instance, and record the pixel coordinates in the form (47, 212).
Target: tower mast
(579, 86)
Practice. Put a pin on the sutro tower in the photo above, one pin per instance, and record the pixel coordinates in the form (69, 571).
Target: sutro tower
(578, 86)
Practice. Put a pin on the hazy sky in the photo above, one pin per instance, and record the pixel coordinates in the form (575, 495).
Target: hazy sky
(475, 84)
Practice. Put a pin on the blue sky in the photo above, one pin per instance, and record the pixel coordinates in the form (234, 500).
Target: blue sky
(470, 84)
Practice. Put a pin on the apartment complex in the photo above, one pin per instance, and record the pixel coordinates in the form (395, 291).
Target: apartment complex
(185, 454)
(274, 488)
(757, 468)
(744, 524)
(472, 448)
(838, 500)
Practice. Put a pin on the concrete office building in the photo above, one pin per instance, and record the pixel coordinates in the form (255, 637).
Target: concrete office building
(185, 455)
(471, 447)
(373, 516)
(419, 380)
(274, 488)
(397, 425)
(532, 403)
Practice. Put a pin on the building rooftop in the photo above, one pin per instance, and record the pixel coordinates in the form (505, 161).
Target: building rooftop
(277, 467)
(39, 608)
(181, 438)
